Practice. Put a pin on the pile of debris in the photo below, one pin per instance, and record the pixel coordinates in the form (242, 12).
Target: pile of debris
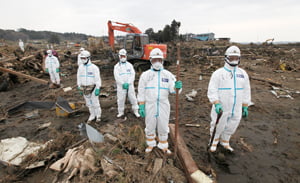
(119, 158)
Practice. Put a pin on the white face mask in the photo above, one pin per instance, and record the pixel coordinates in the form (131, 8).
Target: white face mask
(157, 65)
(123, 59)
(234, 62)
(84, 60)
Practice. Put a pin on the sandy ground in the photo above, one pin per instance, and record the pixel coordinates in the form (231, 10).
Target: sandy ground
(266, 143)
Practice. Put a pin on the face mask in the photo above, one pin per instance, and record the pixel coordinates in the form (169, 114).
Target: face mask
(85, 60)
(157, 65)
(234, 63)
(123, 59)
(49, 55)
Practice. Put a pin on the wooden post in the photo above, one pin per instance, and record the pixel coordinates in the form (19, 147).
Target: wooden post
(191, 169)
(24, 75)
(177, 101)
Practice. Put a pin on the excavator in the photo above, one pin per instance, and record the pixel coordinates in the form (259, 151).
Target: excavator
(136, 44)
(268, 41)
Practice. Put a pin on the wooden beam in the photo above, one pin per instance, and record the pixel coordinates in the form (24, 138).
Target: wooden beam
(28, 57)
(266, 80)
(192, 171)
(9, 59)
(23, 75)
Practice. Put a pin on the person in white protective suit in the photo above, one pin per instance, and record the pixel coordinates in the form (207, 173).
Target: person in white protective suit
(154, 87)
(52, 67)
(228, 91)
(21, 45)
(89, 83)
(124, 75)
(79, 62)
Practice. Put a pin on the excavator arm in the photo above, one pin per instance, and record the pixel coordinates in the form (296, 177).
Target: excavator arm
(124, 27)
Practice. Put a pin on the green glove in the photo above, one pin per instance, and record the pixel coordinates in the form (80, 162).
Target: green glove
(178, 84)
(218, 108)
(57, 70)
(47, 71)
(80, 91)
(245, 111)
(142, 110)
(126, 86)
(97, 92)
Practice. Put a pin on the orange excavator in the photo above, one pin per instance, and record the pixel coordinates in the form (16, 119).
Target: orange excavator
(136, 44)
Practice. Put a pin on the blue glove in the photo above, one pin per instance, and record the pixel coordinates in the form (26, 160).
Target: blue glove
(125, 86)
(218, 108)
(245, 111)
(142, 110)
(57, 70)
(47, 71)
(97, 92)
(80, 91)
(178, 84)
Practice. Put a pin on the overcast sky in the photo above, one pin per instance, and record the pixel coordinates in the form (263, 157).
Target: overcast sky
(241, 20)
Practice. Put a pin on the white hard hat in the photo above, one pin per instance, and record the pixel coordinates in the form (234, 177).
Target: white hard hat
(233, 51)
(49, 52)
(156, 53)
(122, 52)
(85, 54)
(81, 49)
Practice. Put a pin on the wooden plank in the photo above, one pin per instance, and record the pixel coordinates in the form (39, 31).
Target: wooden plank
(24, 75)
(28, 57)
(192, 171)
(157, 165)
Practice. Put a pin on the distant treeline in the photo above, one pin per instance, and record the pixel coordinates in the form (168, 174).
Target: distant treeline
(169, 33)
(51, 37)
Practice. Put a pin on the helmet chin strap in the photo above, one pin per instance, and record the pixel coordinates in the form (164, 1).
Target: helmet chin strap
(87, 61)
(230, 63)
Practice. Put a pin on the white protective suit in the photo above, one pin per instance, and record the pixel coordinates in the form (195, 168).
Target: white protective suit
(89, 74)
(21, 45)
(231, 87)
(153, 89)
(79, 62)
(124, 73)
(52, 63)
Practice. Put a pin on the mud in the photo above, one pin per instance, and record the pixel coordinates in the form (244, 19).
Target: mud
(266, 143)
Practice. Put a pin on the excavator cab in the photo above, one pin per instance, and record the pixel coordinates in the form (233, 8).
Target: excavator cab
(134, 44)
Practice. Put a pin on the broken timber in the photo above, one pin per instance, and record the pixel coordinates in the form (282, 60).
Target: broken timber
(267, 81)
(192, 171)
(24, 75)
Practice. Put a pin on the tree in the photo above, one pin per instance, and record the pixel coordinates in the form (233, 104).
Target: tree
(150, 33)
(169, 33)
(54, 39)
(175, 30)
(166, 34)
